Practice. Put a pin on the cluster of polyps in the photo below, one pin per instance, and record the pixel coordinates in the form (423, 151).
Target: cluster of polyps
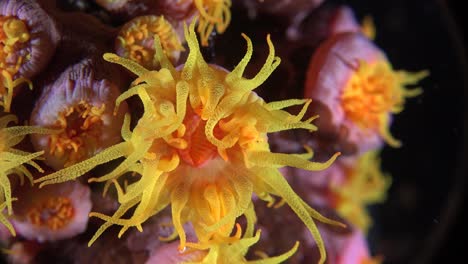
(201, 146)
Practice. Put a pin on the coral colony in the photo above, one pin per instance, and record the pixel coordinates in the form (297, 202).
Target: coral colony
(132, 137)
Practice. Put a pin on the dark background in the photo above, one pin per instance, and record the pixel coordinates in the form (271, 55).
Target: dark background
(454, 248)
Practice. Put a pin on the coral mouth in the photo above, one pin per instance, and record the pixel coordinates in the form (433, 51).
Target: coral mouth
(80, 125)
(55, 213)
(199, 149)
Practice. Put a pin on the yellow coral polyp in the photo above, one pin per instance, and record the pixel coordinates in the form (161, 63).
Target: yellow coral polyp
(213, 14)
(209, 171)
(365, 184)
(233, 253)
(134, 37)
(12, 161)
(14, 36)
(374, 92)
(79, 127)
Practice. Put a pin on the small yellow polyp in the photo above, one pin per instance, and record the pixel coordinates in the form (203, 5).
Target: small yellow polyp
(375, 91)
(135, 34)
(201, 147)
(365, 184)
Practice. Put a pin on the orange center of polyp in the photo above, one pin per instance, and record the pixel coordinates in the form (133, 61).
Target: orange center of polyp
(54, 213)
(80, 128)
(135, 35)
(199, 150)
(14, 37)
(371, 93)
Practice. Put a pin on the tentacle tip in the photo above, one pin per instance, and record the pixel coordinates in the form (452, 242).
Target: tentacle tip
(296, 245)
(90, 243)
(181, 249)
(110, 57)
(258, 233)
(92, 214)
(139, 228)
(42, 183)
(91, 180)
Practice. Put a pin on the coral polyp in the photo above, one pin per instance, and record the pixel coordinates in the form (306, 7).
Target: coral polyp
(201, 146)
(27, 40)
(80, 105)
(13, 161)
(52, 213)
(214, 14)
(61, 213)
(364, 185)
(359, 91)
(135, 40)
(73, 136)
(374, 91)
(14, 37)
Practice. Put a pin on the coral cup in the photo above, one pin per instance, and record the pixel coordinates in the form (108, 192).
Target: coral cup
(136, 40)
(28, 37)
(80, 103)
(356, 92)
(52, 213)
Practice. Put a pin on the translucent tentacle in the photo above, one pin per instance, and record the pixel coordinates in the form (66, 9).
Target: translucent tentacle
(78, 169)
(276, 181)
(132, 66)
(238, 71)
(264, 159)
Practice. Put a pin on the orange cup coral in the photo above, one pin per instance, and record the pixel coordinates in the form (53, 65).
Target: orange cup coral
(135, 40)
(28, 37)
(363, 184)
(79, 104)
(14, 37)
(52, 213)
(358, 90)
(201, 146)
